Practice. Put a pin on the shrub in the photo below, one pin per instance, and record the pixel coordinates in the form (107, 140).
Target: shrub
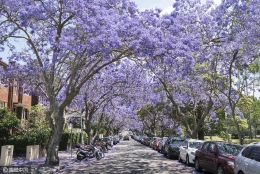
(8, 120)
(66, 139)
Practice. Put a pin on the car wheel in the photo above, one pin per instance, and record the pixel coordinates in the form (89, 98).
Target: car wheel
(179, 158)
(162, 150)
(240, 172)
(220, 170)
(187, 160)
(169, 154)
(197, 165)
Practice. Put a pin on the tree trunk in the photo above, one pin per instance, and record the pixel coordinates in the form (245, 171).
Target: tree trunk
(239, 132)
(250, 127)
(201, 134)
(57, 125)
(88, 130)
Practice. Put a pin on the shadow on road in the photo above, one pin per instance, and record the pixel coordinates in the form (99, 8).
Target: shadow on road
(132, 158)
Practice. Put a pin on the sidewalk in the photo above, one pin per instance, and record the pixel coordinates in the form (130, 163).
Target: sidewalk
(38, 167)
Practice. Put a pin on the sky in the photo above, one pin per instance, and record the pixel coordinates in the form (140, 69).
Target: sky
(165, 5)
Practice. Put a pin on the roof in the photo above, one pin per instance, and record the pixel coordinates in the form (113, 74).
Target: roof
(2, 63)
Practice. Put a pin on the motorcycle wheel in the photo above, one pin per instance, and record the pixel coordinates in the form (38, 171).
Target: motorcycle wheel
(98, 155)
(80, 157)
(104, 149)
(103, 154)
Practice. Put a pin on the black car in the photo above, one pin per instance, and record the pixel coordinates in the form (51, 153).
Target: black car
(174, 151)
(170, 148)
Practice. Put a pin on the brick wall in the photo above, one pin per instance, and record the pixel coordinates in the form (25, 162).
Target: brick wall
(3, 93)
(27, 100)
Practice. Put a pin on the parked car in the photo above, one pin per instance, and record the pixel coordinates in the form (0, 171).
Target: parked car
(116, 139)
(113, 138)
(248, 160)
(168, 145)
(150, 143)
(174, 149)
(147, 141)
(126, 137)
(188, 149)
(156, 143)
(142, 139)
(161, 144)
(108, 140)
(217, 157)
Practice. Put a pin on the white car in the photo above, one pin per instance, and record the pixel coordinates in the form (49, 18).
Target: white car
(248, 160)
(188, 149)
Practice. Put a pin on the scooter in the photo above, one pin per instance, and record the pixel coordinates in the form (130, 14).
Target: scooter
(90, 151)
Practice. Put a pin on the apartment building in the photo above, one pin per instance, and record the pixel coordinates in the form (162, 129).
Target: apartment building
(14, 97)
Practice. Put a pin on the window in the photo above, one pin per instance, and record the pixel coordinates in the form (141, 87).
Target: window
(212, 147)
(205, 147)
(25, 114)
(185, 143)
(255, 153)
(246, 151)
(195, 145)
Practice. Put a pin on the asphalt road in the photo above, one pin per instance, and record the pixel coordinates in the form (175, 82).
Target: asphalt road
(131, 157)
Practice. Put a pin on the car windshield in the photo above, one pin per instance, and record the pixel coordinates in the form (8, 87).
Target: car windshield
(195, 145)
(177, 143)
(165, 138)
(229, 149)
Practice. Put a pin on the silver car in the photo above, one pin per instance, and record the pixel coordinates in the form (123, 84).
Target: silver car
(248, 160)
(161, 144)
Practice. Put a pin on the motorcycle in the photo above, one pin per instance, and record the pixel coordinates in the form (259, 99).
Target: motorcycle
(102, 146)
(90, 151)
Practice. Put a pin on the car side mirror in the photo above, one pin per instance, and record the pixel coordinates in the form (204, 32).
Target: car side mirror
(185, 147)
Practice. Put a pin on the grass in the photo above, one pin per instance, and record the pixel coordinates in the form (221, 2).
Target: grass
(236, 141)
(214, 138)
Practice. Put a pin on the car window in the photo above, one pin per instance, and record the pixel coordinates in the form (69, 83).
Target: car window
(205, 147)
(212, 147)
(184, 143)
(229, 149)
(195, 145)
(255, 154)
(246, 151)
(177, 142)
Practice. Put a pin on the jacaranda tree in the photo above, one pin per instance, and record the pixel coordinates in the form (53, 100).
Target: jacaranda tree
(63, 44)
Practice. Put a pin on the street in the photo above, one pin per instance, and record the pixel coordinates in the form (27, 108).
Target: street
(131, 157)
